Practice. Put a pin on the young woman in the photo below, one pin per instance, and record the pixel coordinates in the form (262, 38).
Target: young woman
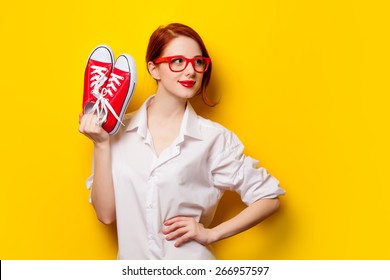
(162, 175)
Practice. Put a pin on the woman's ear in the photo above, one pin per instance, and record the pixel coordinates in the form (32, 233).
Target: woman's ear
(153, 71)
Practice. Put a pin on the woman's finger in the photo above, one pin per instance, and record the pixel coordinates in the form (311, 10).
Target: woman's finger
(183, 239)
(177, 233)
(177, 219)
(175, 226)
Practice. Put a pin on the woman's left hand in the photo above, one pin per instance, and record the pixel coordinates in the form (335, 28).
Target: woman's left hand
(185, 229)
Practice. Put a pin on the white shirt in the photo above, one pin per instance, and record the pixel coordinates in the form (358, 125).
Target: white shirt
(187, 179)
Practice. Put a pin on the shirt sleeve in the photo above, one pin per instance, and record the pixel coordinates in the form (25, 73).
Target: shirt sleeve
(89, 182)
(233, 170)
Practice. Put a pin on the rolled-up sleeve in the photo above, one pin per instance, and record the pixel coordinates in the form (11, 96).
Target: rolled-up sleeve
(89, 182)
(233, 170)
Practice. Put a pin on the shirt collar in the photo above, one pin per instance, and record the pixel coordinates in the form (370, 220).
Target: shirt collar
(189, 127)
(139, 119)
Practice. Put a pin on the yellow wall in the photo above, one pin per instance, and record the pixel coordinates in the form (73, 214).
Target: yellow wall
(304, 84)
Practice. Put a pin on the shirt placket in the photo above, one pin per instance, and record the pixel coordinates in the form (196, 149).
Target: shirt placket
(153, 214)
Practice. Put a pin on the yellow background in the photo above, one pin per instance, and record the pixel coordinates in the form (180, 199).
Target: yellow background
(304, 84)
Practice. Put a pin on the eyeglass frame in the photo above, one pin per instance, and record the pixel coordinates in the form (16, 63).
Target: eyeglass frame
(188, 60)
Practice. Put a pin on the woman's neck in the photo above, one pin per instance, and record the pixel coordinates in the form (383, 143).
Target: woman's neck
(166, 106)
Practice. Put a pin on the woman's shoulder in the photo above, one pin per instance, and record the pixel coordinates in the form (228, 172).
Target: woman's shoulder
(212, 126)
(220, 133)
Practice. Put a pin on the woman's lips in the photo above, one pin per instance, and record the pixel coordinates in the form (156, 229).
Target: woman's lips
(187, 83)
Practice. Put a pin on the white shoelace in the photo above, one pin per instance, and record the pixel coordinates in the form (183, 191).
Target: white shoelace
(102, 105)
(114, 79)
(99, 76)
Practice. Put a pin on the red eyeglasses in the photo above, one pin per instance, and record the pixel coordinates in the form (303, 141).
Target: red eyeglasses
(179, 63)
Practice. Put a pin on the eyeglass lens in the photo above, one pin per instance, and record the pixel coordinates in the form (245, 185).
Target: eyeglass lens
(180, 63)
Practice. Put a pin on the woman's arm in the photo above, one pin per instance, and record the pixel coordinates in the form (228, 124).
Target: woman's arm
(184, 229)
(102, 193)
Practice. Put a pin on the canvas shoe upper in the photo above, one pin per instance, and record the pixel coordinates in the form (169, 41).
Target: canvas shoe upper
(116, 95)
(99, 66)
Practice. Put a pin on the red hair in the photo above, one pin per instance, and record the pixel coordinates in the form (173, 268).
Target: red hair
(161, 37)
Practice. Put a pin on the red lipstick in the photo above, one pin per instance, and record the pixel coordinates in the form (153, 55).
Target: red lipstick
(187, 83)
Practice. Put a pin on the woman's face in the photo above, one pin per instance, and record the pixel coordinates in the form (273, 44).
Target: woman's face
(186, 83)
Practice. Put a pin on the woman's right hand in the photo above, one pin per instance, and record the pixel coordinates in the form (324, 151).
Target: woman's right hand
(90, 128)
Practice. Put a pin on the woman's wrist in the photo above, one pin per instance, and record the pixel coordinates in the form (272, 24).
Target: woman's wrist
(102, 145)
(214, 235)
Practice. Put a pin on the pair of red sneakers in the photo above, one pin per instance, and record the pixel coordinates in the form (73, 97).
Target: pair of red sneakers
(108, 87)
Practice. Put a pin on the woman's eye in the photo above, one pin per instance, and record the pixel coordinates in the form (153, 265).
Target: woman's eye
(177, 60)
(199, 61)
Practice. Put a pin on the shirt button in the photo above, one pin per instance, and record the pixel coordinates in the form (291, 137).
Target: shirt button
(150, 236)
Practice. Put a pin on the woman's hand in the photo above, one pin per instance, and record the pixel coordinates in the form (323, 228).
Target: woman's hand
(185, 229)
(90, 128)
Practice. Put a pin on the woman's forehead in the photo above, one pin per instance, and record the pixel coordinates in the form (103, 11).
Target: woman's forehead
(184, 46)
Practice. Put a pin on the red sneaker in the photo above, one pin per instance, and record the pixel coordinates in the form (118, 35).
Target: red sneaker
(97, 71)
(117, 94)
